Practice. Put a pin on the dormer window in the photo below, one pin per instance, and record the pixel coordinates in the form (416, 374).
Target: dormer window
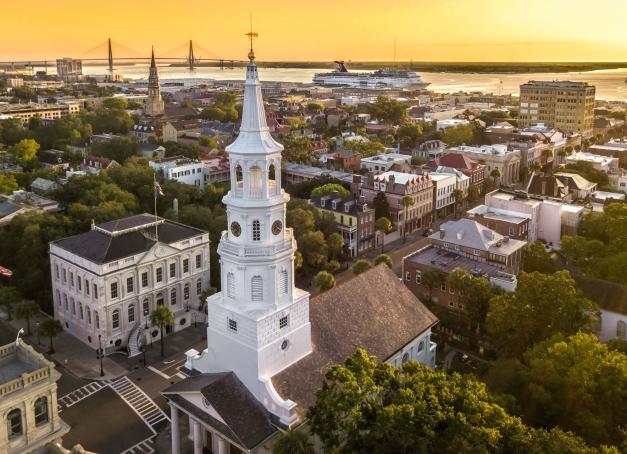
(323, 202)
(346, 208)
(334, 205)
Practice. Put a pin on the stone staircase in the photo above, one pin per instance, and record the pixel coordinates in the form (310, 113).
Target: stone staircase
(135, 340)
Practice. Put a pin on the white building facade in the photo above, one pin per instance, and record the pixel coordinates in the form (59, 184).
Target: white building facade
(107, 282)
(183, 170)
(383, 162)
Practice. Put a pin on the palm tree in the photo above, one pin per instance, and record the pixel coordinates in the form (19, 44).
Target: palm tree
(293, 442)
(50, 328)
(8, 297)
(162, 316)
(495, 174)
(407, 201)
(384, 226)
(25, 310)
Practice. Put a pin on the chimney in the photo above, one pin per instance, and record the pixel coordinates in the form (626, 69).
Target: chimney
(442, 233)
(356, 186)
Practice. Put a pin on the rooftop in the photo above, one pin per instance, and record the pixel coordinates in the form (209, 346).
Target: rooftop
(356, 314)
(21, 366)
(471, 234)
(447, 261)
(401, 177)
(497, 150)
(497, 214)
(113, 240)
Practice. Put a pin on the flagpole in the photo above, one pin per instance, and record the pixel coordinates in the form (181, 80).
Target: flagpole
(154, 193)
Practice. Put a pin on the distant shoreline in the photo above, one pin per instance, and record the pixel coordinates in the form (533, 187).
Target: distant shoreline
(450, 67)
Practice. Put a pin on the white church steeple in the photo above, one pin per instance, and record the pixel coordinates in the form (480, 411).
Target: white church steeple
(258, 324)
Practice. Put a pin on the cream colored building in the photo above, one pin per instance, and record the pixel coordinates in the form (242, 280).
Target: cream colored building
(25, 112)
(559, 104)
(28, 401)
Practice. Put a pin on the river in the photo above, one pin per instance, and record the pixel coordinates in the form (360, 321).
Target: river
(610, 83)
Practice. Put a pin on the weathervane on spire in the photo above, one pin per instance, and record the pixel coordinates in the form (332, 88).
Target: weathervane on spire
(251, 34)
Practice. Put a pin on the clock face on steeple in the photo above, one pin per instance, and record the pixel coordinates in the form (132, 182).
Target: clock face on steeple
(277, 226)
(236, 229)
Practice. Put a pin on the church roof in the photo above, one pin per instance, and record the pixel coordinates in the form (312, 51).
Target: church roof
(374, 311)
(254, 134)
(243, 419)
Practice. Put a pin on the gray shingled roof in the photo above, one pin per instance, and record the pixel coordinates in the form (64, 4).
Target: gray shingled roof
(99, 247)
(246, 421)
(472, 234)
(374, 311)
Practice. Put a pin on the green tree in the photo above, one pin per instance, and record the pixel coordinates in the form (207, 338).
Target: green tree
(408, 134)
(473, 293)
(118, 149)
(295, 441)
(578, 384)
(370, 406)
(50, 328)
(330, 188)
(25, 310)
(473, 194)
(361, 266)
(383, 226)
(586, 170)
(7, 183)
(388, 110)
(323, 281)
(115, 103)
(301, 220)
(458, 135)
(381, 206)
(495, 174)
(365, 148)
(9, 296)
(431, 279)
(161, 317)
(542, 306)
(537, 258)
(213, 114)
(458, 195)
(298, 149)
(407, 201)
(24, 151)
(335, 244)
(384, 258)
(314, 249)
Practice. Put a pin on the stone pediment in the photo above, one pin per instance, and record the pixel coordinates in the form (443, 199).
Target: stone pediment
(157, 252)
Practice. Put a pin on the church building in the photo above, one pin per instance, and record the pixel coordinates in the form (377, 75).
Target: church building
(268, 346)
(153, 105)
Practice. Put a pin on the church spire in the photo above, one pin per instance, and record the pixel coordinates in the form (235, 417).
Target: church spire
(152, 58)
(254, 135)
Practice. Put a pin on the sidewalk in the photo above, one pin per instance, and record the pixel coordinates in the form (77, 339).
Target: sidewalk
(74, 355)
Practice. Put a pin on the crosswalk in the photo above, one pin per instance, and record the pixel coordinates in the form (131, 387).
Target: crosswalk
(79, 394)
(141, 404)
(143, 447)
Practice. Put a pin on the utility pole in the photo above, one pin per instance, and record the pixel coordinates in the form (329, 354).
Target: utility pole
(100, 354)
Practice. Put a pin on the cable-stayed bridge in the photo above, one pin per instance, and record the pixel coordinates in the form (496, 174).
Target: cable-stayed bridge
(109, 52)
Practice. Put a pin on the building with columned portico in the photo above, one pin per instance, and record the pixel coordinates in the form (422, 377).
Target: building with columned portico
(268, 347)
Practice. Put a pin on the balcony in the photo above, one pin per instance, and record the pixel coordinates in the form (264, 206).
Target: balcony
(262, 251)
(237, 190)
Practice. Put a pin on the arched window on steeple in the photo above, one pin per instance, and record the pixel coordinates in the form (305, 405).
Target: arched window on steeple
(230, 285)
(272, 180)
(256, 289)
(254, 181)
(239, 178)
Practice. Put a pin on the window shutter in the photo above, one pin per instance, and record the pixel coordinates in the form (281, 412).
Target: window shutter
(230, 285)
(256, 289)
(283, 281)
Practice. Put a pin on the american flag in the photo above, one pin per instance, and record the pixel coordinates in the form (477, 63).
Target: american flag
(5, 272)
(158, 190)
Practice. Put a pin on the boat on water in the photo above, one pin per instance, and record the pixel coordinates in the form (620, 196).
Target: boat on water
(379, 79)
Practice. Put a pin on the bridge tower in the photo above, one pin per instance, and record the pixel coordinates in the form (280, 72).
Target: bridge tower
(110, 59)
(191, 60)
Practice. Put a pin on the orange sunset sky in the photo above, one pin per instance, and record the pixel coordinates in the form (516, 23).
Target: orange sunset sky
(323, 30)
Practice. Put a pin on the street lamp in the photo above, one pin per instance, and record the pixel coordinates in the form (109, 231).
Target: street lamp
(143, 347)
(100, 354)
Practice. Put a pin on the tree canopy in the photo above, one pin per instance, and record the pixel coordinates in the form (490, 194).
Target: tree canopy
(370, 406)
(537, 258)
(330, 188)
(542, 306)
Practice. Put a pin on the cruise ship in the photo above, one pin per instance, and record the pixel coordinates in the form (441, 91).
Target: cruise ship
(380, 79)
